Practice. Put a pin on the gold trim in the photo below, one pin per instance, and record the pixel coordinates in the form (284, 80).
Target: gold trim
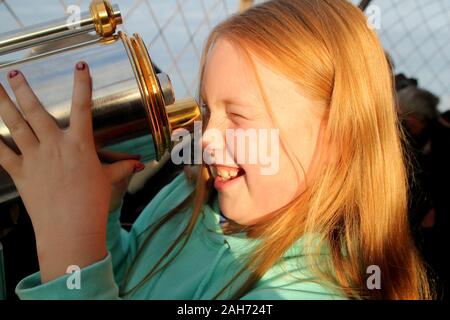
(146, 96)
(158, 110)
(104, 18)
(162, 119)
(183, 113)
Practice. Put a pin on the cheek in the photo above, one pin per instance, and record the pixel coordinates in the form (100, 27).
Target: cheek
(271, 192)
(260, 193)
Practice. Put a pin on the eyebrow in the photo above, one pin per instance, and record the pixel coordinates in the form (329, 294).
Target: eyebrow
(227, 101)
(236, 101)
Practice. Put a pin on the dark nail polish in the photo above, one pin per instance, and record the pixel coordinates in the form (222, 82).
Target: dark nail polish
(139, 167)
(13, 73)
(80, 66)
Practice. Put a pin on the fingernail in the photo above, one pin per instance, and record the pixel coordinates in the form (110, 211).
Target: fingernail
(138, 167)
(80, 66)
(13, 73)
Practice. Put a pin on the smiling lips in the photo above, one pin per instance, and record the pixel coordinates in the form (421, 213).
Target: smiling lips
(226, 173)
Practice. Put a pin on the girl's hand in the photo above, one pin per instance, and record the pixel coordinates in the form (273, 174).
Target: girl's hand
(65, 188)
(120, 187)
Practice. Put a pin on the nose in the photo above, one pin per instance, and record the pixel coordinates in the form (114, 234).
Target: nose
(215, 145)
(213, 138)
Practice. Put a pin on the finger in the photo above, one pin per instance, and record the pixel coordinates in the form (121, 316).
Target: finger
(19, 129)
(40, 121)
(113, 156)
(120, 170)
(9, 160)
(81, 113)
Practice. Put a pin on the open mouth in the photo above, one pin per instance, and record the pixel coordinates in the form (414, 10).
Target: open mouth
(226, 173)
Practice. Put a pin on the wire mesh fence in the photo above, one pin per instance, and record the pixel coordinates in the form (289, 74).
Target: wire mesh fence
(416, 33)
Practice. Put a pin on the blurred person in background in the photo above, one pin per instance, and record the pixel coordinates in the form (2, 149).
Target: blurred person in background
(438, 238)
(428, 135)
(418, 112)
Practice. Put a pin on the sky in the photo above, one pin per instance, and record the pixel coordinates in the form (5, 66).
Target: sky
(416, 33)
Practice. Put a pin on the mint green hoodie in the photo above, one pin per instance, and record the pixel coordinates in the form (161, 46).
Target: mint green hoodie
(204, 266)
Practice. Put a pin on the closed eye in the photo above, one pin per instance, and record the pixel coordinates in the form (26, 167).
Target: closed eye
(236, 115)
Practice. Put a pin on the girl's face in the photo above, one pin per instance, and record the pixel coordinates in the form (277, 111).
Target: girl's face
(254, 174)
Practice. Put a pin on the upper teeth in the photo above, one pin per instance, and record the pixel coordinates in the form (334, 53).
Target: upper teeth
(225, 174)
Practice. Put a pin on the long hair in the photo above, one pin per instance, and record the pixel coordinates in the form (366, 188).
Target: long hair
(357, 201)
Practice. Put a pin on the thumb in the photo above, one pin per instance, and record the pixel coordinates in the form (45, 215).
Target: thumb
(120, 170)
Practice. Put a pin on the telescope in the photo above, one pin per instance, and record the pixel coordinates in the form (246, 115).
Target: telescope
(131, 97)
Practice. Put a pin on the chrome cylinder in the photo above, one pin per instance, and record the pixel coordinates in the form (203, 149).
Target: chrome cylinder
(129, 99)
(102, 18)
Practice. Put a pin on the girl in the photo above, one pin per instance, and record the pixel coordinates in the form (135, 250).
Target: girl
(329, 223)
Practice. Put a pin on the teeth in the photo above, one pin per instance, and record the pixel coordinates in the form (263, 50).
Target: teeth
(225, 174)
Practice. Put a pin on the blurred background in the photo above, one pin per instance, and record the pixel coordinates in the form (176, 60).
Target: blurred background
(415, 35)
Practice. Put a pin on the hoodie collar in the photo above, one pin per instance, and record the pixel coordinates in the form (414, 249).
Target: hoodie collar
(212, 218)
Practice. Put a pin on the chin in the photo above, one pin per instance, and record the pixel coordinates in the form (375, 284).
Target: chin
(231, 210)
(236, 212)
